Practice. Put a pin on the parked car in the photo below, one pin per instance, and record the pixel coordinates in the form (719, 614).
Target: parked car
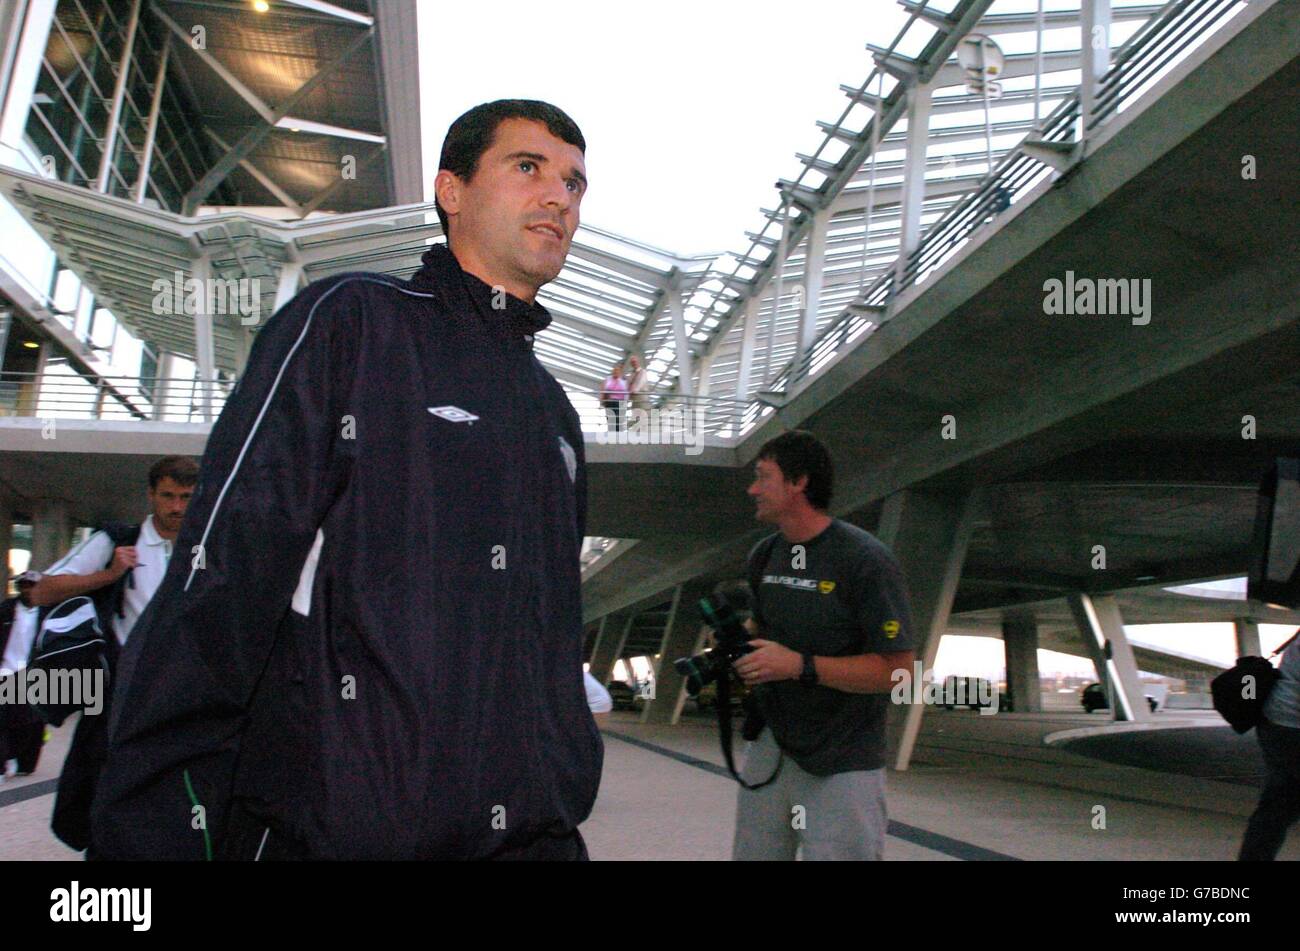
(1093, 697)
(623, 695)
(707, 699)
(966, 692)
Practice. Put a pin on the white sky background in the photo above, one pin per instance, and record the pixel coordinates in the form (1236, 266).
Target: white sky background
(691, 110)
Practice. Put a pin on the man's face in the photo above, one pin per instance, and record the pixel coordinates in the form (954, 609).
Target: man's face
(771, 492)
(512, 223)
(169, 500)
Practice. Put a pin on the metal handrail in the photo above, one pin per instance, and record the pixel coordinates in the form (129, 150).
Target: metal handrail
(667, 415)
(82, 396)
(1133, 66)
(181, 399)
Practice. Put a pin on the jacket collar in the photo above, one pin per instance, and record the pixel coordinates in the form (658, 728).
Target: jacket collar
(442, 272)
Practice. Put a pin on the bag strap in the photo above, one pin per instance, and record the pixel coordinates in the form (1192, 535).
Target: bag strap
(120, 534)
(724, 732)
(759, 563)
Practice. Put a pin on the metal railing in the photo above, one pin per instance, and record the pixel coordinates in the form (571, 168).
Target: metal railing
(1135, 67)
(659, 417)
(77, 396)
(656, 417)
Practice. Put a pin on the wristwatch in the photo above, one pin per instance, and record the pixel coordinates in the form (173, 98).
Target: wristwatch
(809, 676)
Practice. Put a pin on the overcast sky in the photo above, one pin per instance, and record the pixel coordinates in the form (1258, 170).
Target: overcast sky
(691, 110)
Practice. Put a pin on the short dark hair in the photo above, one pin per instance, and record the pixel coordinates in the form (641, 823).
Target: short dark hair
(182, 470)
(473, 133)
(799, 453)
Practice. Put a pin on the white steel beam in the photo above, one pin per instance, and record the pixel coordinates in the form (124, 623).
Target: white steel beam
(913, 197)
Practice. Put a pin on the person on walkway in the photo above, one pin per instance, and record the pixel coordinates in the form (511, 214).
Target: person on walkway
(613, 396)
(1279, 740)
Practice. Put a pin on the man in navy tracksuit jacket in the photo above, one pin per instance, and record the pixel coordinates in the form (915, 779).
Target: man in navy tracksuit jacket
(369, 643)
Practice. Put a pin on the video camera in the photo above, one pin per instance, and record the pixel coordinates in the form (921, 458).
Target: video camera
(725, 611)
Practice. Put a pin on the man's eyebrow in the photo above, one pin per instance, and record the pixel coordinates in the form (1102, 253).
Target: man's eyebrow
(541, 160)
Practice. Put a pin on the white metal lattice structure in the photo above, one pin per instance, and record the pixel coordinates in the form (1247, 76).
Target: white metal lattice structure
(610, 288)
(924, 155)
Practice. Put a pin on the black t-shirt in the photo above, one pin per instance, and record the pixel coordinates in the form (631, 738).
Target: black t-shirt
(836, 595)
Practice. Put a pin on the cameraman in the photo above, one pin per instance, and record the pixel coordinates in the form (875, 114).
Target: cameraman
(832, 610)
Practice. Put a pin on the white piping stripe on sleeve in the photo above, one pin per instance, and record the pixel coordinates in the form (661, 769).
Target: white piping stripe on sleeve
(275, 385)
(53, 569)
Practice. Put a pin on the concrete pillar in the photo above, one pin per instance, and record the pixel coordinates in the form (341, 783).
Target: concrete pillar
(1020, 639)
(928, 533)
(1102, 627)
(1094, 46)
(814, 266)
(918, 137)
(51, 532)
(663, 660)
(164, 384)
(600, 634)
(681, 340)
(614, 631)
(1247, 637)
(204, 345)
(31, 24)
(6, 542)
(682, 635)
(747, 335)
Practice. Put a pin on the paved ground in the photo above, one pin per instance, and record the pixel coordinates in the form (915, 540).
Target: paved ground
(1217, 753)
(979, 788)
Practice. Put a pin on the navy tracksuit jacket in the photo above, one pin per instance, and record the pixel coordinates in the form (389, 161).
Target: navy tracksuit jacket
(369, 641)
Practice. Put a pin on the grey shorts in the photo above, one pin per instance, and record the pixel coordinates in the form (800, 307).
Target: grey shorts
(819, 818)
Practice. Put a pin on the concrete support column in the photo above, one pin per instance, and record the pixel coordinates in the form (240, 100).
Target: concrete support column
(682, 635)
(814, 266)
(51, 532)
(600, 634)
(1102, 627)
(748, 333)
(918, 135)
(1094, 45)
(928, 533)
(6, 542)
(164, 384)
(1247, 637)
(614, 631)
(1020, 639)
(204, 345)
(681, 340)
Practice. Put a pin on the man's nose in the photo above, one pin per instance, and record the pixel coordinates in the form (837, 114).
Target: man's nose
(557, 194)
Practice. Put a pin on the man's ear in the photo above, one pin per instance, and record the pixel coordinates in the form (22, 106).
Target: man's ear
(801, 485)
(446, 186)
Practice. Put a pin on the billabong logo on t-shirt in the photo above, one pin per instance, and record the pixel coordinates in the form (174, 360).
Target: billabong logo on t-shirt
(826, 587)
(891, 629)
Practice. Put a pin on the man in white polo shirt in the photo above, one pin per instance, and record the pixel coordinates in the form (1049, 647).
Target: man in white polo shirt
(98, 562)
(121, 567)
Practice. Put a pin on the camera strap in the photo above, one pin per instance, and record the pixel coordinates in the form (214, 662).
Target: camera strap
(724, 731)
